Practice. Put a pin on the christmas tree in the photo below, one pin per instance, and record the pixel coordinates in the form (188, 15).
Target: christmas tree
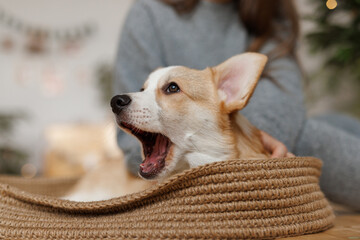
(337, 36)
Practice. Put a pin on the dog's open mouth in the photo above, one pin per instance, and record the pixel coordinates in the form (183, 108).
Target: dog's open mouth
(156, 148)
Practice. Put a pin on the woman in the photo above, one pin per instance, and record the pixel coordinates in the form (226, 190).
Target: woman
(198, 34)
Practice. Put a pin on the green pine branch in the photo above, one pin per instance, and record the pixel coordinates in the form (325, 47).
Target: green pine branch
(338, 41)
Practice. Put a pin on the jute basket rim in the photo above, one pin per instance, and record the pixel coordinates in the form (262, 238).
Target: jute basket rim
(252, 199)
(160, 188)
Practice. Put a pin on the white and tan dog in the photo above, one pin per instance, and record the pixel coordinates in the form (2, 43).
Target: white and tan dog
(185, 117)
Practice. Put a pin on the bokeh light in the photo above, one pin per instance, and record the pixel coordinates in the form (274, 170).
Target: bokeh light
(331, 4)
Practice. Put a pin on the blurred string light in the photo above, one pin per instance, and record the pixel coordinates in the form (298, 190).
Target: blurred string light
(81, 31)
(331, 4)
(38, 37)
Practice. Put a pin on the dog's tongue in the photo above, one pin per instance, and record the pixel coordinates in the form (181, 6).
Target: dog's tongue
(155, 161)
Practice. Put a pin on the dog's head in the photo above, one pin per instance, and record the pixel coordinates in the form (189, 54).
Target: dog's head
(181, 115)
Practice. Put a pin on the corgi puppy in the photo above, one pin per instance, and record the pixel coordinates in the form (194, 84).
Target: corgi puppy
(185, 118)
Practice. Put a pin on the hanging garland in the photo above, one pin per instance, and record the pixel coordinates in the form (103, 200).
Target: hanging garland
(37, 36)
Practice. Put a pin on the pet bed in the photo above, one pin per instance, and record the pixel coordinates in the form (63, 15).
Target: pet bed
(252, 199)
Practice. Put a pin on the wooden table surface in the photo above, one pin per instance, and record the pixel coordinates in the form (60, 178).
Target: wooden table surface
(347, 226)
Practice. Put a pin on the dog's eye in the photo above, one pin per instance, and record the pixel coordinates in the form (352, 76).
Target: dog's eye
(172, 88)
(142, 89)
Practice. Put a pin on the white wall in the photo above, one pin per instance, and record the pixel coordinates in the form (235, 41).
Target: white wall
(78, 101)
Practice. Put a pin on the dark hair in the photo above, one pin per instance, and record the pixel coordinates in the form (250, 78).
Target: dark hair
(263, 19)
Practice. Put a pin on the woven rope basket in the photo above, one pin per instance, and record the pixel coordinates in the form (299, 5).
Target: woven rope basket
(249, 199)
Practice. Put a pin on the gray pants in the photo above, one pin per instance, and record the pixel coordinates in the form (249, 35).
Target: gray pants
(333, 138)
(336, 140)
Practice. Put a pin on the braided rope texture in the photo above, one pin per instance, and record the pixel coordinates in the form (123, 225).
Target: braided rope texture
(237, 199)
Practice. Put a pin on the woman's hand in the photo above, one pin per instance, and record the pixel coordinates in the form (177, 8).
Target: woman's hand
(274, 146)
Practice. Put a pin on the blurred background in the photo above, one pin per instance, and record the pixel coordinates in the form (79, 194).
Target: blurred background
(56, 60)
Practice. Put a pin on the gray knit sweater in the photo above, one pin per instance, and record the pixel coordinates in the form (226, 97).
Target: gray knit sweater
(155, 35)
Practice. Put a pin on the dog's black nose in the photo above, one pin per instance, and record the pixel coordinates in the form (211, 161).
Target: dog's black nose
(118, 102)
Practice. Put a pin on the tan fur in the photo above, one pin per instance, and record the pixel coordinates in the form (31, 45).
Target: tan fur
(248, 141)
(245, 138)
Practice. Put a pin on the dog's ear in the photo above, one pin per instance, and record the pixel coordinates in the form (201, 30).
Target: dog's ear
(236, 79)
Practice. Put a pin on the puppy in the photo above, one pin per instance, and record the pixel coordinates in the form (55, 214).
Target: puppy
(185, 118)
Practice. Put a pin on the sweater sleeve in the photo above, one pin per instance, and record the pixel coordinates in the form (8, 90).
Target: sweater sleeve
(139, 53)
(280, 111)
